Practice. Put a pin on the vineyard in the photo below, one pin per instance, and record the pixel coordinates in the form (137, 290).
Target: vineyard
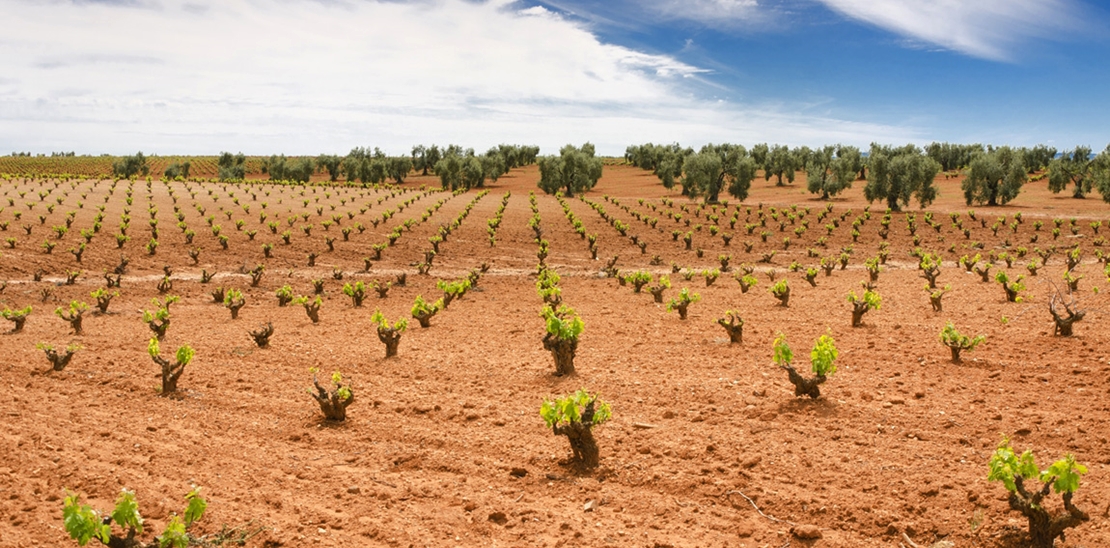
(101, 166)
(398, 365)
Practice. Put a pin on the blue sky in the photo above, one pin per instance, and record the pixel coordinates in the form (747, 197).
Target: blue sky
(311, 76)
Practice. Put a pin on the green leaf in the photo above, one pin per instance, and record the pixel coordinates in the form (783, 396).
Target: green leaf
(568, 409)
(185, 354)
(1066, 473)
(823, 355)
(82, 522)
(126, 513)
(781, 349)
(1005, 465)
(174, 536)
(195, 508)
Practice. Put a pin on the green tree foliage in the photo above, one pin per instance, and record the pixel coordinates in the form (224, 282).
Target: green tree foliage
(574, 170)
(952, 156)
(130, 166)
(374, 167)
(424, 158)
(516, 155)
(1076, 168)
(177, 169)
(994, 177)
(665, 161)
(1102, 173)
(1037, 158)
(760, 153)
(232, 167)
(899, 174)
(398, 167)
(494, 164)
(330, 163)
(365, 165)
(463, 168)
(281, 168)
(781, 162)
(460, 169)
(830, 170)
(716, 168)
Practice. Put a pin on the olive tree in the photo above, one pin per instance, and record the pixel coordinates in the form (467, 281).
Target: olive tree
(459, 169)
(952, 156)
(1102, 174)
(665, 161)
(995, 177)
(514, 155)
(281, 168)
(330, 163)
(830, 170)
(425, 158)
(374, 167)
(709, 171)
(178, 169)
(398, 167)
(781, 162)
(1075, 168)
(232, 167)
(130, 166)
(899, 174)
(759, 154)
(574, 170)
(495, 162)
(1038, 157)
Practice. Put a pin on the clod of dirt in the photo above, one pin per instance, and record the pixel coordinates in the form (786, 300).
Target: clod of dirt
(354, 490)
(806, 532)
(744, 529)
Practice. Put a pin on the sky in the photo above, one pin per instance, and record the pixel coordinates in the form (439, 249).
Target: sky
(324, 76)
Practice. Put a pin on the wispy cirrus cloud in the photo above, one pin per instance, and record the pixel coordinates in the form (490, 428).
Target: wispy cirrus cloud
(988, 29)
(304, 76)
(637, 14)
(707, 11)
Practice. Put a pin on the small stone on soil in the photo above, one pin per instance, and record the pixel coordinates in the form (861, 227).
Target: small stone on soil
(806, 532)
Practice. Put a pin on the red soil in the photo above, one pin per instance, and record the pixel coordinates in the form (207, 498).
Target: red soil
(899, 441)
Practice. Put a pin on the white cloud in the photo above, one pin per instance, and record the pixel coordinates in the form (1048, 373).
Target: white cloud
(302, 76)
(710, 12)
(989, 29)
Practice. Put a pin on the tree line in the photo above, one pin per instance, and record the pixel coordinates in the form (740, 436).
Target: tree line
(896, 175)
(455, 166)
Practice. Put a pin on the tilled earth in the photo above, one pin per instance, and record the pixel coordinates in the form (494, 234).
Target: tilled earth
(444, 445)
